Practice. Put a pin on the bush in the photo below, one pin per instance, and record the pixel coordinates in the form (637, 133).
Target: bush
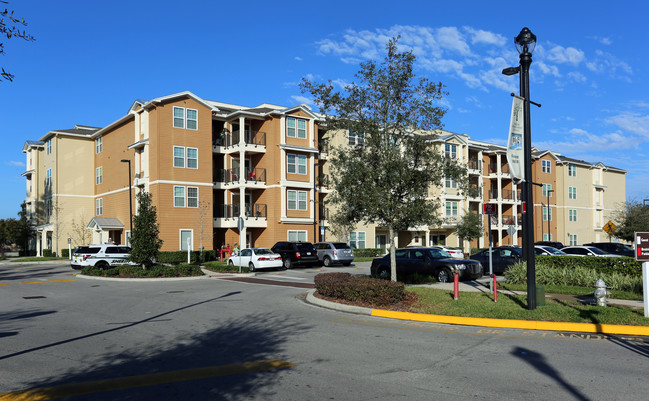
(359, 289)
(47, 253)
(65, 253)
(624, 265)
(367, 252)
(581, 276)
(128, 271)
(224, 267)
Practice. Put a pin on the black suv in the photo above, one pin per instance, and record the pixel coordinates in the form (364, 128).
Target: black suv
(295, 253)
(614, 248)
(553, 244)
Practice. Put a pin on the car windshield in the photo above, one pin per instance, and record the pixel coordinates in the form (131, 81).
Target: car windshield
(341, 245)
(627, 247)
(438, 254)
(553, 251)
(596, 251)
(263, 251)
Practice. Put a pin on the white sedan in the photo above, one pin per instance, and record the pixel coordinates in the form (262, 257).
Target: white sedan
(256, 258)
(455, 252)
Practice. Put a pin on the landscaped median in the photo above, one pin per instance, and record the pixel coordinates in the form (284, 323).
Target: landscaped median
(477, 309)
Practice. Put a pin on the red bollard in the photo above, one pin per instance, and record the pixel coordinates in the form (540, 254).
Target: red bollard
(456, 286)
(495, 290)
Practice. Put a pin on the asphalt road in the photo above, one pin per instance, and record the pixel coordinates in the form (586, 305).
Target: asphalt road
(214, 339)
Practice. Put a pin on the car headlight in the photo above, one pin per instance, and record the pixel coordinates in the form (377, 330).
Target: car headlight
(460, 267)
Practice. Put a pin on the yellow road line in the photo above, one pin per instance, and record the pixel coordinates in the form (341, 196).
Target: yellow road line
(4, 284)
(48, 281)
(517, 324)
(74, 389)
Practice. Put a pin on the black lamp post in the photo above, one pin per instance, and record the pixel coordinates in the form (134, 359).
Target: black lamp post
(525, 44)
(315, 202)
(547, 193)
(130, 197)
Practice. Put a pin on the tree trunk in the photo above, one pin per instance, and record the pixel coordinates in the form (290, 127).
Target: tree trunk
(393, 257)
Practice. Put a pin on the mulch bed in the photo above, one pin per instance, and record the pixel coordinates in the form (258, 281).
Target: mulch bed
(403, 306)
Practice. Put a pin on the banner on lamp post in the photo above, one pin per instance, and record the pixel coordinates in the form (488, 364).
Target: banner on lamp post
(515, 141)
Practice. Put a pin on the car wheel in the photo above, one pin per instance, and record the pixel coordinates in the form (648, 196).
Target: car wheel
(231, 263)
(444, 275)
(288, 264)
(326, 261)
(383, 273)
(102, 264)
(251, 267)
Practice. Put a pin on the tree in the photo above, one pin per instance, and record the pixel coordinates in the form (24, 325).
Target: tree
(144, 241)
(470, 226)
(203, 218)
(386, 180)
(23, 229)
(10, 28)
(79, 233)
(632, 217)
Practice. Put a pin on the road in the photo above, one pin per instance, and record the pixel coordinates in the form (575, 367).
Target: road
(214, 339)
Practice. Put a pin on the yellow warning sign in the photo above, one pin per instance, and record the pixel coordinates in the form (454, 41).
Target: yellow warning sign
(609, 227)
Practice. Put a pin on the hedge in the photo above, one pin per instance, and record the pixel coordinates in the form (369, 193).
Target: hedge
(65, 253)
(367, 252)
(178, 257)
(47, 253)
(182, 270)
(624, 265)
(364, 289)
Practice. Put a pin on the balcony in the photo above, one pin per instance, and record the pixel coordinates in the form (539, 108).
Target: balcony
(324, 216)
(504, 169)
(254, 141)
(224, 177)
(227, 216)
(475, 166)
(323, 150)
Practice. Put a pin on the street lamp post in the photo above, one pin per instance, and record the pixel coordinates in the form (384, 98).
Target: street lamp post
(130, 198)
(315, 199)
(525, 44)
(547, 193)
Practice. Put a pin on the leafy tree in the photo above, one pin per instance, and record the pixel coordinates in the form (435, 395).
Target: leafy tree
(9, 27)
(23, 231)
(386, 180)
(144, 241)
(470, 226)
(632, 217)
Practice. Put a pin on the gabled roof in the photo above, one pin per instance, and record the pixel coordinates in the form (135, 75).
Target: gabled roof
(78, 130)
(183, 94)
(539, 154)
(105, 223)
(32, 144)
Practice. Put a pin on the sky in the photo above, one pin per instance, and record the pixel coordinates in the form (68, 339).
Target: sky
(91, 60)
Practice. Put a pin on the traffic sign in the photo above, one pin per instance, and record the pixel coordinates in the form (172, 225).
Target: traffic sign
(609, 227)
(489, 208)
(642, 247)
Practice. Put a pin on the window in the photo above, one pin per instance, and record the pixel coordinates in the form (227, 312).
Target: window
(450, 151)
(99, 175)
(546, 189)
(450, 182)
(192, 196)
(48, 177)
(572, 170)
(192, 158)
(48, 147)
(572, 215)
(295, 164)
(295, 235)
(572, 238)
(99, 206)
(547, 237)
(451, 209)
(572, 192)
(295, 128)
(356, 139)
(357, 239)
(546, 166)
(186, 236)
(179, 196)
(99, 145)
(297, 200)
(179, 156)
(547, 214)
(191, 120)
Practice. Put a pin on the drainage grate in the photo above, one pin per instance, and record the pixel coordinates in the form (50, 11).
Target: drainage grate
(36, 297)
(174, 292)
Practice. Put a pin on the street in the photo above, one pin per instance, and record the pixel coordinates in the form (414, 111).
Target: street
(216, 339)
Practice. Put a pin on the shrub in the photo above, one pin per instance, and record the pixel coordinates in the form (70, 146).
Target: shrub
(65, 253)
(224, 267)
(359, 289)
(624, 265)
(47, 253)
(367, 252)
(183, 270)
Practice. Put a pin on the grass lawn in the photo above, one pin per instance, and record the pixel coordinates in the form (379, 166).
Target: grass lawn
(572, 290)
(440, 302)
(38, 259)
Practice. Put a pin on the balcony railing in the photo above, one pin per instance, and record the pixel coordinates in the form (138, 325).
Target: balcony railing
(256, 175)
(507, 220)
(474, 164)
(257, 210)
(324, 213)
(506, 194)
(232, 175)
(228, 139)
(493, 168)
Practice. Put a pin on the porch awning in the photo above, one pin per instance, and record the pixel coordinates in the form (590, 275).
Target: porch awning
(105, 223)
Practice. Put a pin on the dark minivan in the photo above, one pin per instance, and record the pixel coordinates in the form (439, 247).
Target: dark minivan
(614, 248)
(296, 253)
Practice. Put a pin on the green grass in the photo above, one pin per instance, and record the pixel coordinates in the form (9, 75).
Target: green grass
(38, 259)
(572, 290)
(440, 302)
(363, 259)
(223, 267)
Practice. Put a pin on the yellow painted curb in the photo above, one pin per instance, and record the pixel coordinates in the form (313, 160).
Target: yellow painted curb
(517, 324)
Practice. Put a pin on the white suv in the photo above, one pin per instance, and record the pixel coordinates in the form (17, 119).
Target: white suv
(102, 256)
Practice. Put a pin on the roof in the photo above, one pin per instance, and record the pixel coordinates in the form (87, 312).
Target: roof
(105, 223)
(77, 130)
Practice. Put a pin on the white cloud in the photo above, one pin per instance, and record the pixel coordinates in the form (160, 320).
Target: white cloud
(450, 38)
(608, 63)
(548, 69)
(15, 163)
(302, 99)
(579, 142)
(565, 55)
(631, 121)
(297, 58)
(606, 41)
(490, 38)
(577, 76)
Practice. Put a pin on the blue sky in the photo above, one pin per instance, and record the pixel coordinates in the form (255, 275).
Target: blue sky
(90, 61)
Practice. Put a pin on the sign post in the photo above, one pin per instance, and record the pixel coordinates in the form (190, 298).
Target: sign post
(70, 248)
(240, 226)
(642, 255)
(490, 209)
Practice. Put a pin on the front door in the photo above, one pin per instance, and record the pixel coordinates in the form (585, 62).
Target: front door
(382, 242)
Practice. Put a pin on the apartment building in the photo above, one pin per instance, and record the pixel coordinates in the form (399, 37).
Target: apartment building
(212, 166)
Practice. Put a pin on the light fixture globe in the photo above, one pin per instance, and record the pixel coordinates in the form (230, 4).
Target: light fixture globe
(525, 41)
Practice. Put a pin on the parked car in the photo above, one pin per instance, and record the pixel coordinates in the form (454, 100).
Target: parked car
(615, 248)
(501, 258)
(334, 252)
(454, 252)
(547, 250)
(256, 258)
(426, 261)
(580, 250)
(296, 253)
(553, 244)
(102, 256)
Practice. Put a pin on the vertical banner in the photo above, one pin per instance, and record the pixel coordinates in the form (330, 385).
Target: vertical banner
(515, 141)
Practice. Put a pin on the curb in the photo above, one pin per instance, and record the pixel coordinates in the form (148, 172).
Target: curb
(484, 322)
(158, 279)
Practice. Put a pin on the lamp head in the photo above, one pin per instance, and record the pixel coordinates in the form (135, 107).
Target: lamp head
(511, 70)
(525, 41)
(125, 161)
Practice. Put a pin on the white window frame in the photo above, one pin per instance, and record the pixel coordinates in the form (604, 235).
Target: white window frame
(572, 239)
(450, 150)
(178, 197)
(547, 237)
(572, 170)
(179, 158)
(453, 209)
(572, 215)
(99, 175)
(99, 206)
(190, 159)
(450, 182)
(180, 119)
(547, 214)
(294, 126)
(355, 139)
(192, 201)
(357, 239)
(546, 166)
(99, 144)
(183, 244)
(296, 235)
(572, 192)
(48, 176)
(191, 121)
(295, 164)
(48, 147)
(546, 189)
(299, 198)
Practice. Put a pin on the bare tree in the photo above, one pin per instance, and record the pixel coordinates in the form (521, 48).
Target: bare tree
(204, 219)
(10, 29)
(79, 233)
